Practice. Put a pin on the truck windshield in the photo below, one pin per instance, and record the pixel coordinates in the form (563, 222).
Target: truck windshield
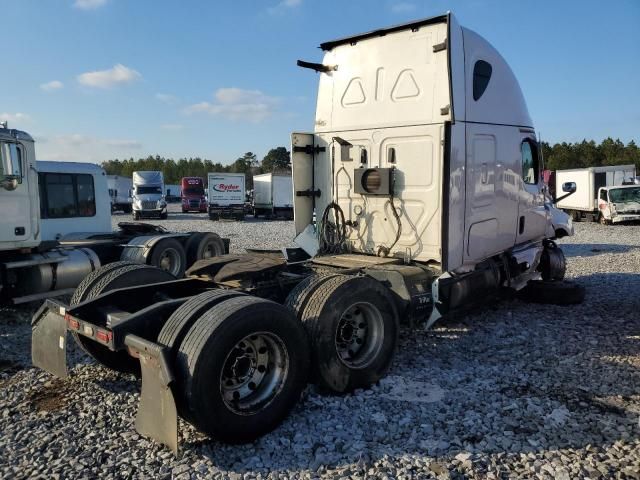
(624, 195)
(148, 190)
(194, 190)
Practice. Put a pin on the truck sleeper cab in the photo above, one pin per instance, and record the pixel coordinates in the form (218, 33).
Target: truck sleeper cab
(419, 193)
(193, 198)
(148, 195)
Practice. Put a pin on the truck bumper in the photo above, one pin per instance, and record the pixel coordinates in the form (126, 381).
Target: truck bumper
(625, 218)
(157, 416)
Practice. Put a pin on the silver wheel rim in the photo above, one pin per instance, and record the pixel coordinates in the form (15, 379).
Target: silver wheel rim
(359, 335)
(254, 373)
(209, 251)
(169, 261)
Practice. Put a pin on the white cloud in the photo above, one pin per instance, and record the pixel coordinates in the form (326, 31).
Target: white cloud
(51, 86)
(84, 148)
(89, 4)
(118, 75)
(284, 5)
(172, 126)
(167, 98)
(13, 118)
(403, 7)
(238, 104)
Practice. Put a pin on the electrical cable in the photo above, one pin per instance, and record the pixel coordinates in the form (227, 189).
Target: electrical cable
(384, 251)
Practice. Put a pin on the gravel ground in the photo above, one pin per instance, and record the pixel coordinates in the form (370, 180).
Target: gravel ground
(514, 391)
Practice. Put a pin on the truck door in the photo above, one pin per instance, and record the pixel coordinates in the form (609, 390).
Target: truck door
(532, 216)
(491, 200)
(603, 203)
(16, 205)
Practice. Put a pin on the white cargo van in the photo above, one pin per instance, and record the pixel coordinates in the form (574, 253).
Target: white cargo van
(584, 203)
(273, 195)
(226, 195)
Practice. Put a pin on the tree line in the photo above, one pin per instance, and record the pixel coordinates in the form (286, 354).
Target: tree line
(275, 161)
(557, 157)
(590, 154)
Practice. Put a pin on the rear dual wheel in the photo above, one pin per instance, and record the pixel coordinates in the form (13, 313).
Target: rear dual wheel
(110, 277)
(352, 323)
(241, 367)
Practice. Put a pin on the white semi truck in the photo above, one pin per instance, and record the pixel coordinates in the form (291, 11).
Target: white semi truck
(590, 182)
(425, 176)
(226, 195)
(148, 195)
(273, 195)
(56, 227)
(120, 190)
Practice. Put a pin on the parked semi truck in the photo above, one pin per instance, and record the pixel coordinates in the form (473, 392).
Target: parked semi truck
(148, 195)
(584, 205)
(193, 197)
(425, 174)
(226, 195)
(56, 227)
(273, 195)
(120, 190)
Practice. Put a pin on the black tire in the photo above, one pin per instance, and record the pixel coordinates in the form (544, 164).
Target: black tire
(164, 216)
(81, 291)
(177, 326)
(203, 245)
(553, 292)
(111, 279)
(136, 216)
(603, 221)
(168, 254)
(214, 216)
(330, 316)
(299, 296)
(214, 349)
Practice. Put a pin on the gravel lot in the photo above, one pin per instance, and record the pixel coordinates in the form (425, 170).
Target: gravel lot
(514, 391)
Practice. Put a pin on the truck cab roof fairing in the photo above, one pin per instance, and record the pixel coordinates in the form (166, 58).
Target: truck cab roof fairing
(502, 101)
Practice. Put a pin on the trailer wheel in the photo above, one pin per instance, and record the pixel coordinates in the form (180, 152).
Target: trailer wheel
(123, 275)
(214, 216)
(203, 245)
(553, 292)
(300, 294)
(352, 322)
(243, 366)
(169, 255)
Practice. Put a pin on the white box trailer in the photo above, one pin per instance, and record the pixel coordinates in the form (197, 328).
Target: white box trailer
(226, 195)
(120, 192)
(273, 195)
(173, 193)
(584, 203)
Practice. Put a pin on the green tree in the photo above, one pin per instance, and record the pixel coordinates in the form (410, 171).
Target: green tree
(276, 160)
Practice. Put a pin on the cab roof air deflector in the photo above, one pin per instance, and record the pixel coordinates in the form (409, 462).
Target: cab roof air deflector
(384, 31)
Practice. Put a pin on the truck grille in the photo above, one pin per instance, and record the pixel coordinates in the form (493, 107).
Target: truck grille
(194, 203)
(149, 205)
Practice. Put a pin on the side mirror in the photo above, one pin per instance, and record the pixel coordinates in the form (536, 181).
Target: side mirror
(569, 188)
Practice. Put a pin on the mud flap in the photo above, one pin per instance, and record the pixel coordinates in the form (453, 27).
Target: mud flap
(49, 339)
(157, 417)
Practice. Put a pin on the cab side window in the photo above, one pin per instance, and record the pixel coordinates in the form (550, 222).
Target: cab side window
(11, 154)
(65, 195)
(530, 162)
(603, 195)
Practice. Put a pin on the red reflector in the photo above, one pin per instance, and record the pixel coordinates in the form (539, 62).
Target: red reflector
(104, 336)
(72, 322)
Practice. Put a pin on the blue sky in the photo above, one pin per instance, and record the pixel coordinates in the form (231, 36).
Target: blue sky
(99, 79)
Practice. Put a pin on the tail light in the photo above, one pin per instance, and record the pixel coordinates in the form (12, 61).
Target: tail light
(104, 336)
(72, 322)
